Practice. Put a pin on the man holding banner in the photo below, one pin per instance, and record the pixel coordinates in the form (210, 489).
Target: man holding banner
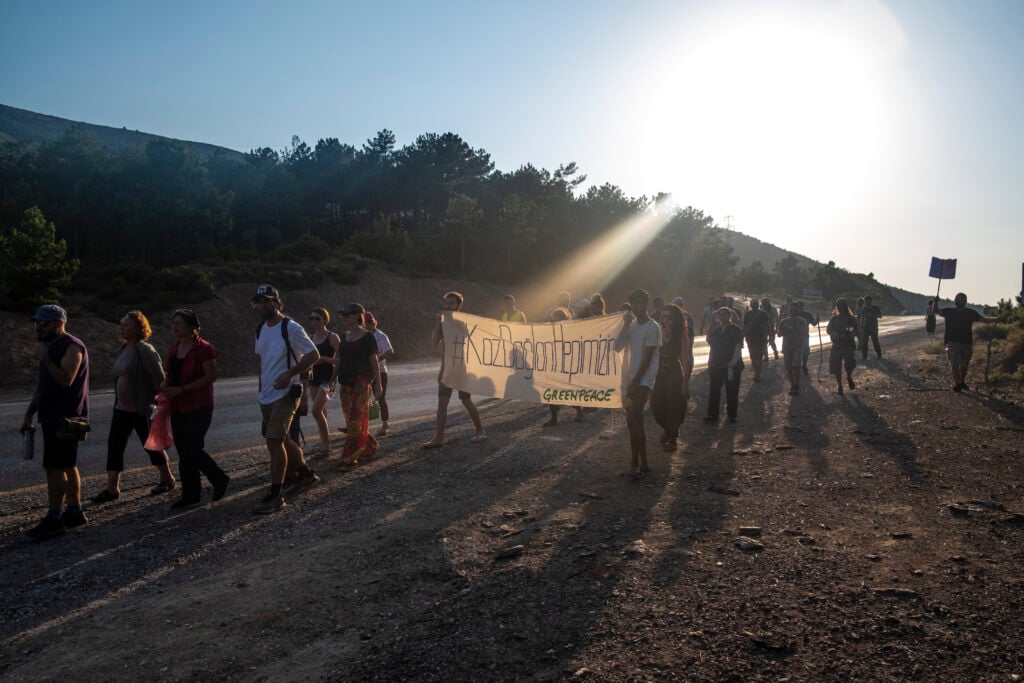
(452, 302)
(959, 336)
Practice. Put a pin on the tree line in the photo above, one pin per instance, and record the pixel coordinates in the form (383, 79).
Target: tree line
(436, 206)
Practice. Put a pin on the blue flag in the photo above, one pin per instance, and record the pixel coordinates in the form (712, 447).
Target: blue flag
(943, 268)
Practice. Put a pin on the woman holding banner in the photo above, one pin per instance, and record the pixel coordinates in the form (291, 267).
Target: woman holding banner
(672, 385)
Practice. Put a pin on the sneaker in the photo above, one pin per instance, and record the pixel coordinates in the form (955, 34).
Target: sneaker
(849, 382)
(219, 489)
(48, 528)
(963, 386)
(840, 390)
(72, 520)
(303, 482)
(270, 504)
(957, 388)
(184, 503)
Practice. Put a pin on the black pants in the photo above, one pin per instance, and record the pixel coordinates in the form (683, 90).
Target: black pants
(716, 378)
(668, 405)
(189, 431)
(122, 424)
(383, 393)
(871, 334)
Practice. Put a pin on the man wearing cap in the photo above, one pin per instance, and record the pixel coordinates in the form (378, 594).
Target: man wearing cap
(285, 354)
(62, 392)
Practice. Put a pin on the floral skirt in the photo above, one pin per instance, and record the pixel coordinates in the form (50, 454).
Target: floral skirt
(355, 403)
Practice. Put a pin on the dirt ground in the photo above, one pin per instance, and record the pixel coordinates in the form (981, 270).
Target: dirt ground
(882, 529)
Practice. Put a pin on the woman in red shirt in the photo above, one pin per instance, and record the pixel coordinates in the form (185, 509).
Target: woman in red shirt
(191, 371)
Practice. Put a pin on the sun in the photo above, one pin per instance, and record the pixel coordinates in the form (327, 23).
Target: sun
(764, 115)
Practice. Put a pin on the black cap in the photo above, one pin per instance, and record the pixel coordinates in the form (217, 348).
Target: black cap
(266, 291)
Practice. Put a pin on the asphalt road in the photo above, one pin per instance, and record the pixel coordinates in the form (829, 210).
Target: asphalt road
(412, 399)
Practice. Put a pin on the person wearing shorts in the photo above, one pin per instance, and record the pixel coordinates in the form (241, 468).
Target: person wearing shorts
(794, 330)
(62, 391)
(844, 332)
(452, 303)
(644, 342)
(959, 337)
(285, 354)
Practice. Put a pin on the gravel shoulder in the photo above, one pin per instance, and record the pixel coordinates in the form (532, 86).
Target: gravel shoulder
(883, 531)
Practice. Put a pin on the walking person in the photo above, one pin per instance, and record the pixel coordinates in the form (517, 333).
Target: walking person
(644, 341)
(708, 317)
(672, 382)
(358, 377)
(812, 321)
(870, 314)
(560, 314)
(725, 364)
(958, 336)
(191, 370)
(794, 331)
(384, 351)
(773, 317)
(61, 401)
(138, 375)
(453, 302)
(285, 352)
(757, 331)
(326, 343)
(844, 332)
(929, 318)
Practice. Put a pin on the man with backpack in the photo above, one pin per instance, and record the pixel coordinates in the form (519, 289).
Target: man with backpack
(285, 352)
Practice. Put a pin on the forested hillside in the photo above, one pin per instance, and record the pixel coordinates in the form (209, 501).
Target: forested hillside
(147, 222)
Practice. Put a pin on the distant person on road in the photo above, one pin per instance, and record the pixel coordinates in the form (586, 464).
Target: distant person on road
(812, 321)
(870, 313)
(773, 317)
(725, 364)
(285, 352)
(327, 343)
(190, 371)
(453, 302)
(929, 318)
(708, 317)
(358, 377)
(511, 314)
(844, 332)
(959, 337)
(62, 394)
(757, 329)
(672, 382)
(794, 331)
(138, 375)
(644, 341)
(384, 351)
(691, 324)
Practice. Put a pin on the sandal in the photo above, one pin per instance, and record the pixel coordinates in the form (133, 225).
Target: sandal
(162, 487)
(347, 466)
(105, 496)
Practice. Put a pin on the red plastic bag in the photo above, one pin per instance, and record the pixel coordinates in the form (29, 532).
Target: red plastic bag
(160, 438)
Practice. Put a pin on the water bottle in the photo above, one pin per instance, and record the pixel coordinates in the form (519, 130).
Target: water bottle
(30, 442)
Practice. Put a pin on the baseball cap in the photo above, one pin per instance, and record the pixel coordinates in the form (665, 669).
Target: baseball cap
(49, 313)
(267, 291)
(351, 308)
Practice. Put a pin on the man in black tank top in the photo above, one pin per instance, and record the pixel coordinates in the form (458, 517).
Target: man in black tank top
(62, 392)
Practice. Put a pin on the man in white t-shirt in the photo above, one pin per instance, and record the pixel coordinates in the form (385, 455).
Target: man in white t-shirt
(285, 355)
(644, 340)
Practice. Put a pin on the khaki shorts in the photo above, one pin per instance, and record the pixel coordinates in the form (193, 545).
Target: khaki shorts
(959, 353)
(277, 416)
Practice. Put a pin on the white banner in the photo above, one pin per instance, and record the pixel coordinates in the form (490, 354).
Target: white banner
(574, 362)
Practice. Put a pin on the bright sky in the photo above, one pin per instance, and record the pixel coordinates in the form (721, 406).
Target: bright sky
(875, 134)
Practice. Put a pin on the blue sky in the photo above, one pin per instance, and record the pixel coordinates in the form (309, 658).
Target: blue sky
(875, 134)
